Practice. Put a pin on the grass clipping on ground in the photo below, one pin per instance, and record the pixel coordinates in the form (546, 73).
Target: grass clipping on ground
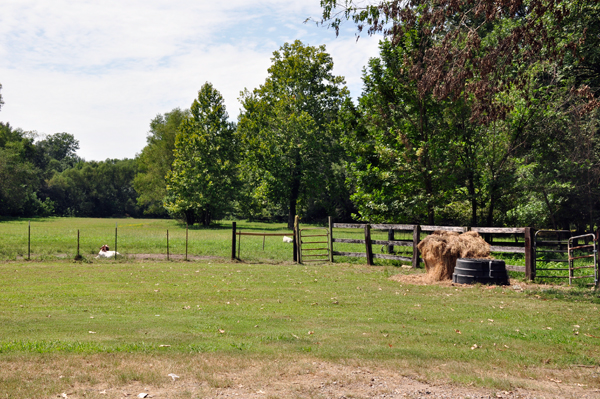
(441, 249)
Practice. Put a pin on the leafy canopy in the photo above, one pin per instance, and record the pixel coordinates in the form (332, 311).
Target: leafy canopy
(480, 48)
(203, 179)
(156, 160)
(289, 127)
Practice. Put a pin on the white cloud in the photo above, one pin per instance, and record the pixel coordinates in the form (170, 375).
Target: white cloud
(102, 70)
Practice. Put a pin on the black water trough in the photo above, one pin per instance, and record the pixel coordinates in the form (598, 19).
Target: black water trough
(484, 271)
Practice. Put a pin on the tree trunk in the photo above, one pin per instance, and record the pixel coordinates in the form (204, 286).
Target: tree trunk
(490, 215)
(190, 217)
(294, 193)
(430, 195)
(430, 213)
(471, 188)
(206, 218)
(549, 209)
(291, 214)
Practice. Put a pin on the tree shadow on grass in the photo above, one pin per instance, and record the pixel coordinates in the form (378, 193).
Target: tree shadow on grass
(9, 219)
(241, 225)
(573, 294)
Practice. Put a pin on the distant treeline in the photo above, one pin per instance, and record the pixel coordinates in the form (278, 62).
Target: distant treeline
(46, 177)
(464, 130)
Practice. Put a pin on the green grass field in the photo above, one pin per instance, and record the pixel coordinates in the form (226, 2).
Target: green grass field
(62, 311)
(52, 237)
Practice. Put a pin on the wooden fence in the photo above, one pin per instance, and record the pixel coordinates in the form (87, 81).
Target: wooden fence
(524, 246)
(523, 243)
(368, 242)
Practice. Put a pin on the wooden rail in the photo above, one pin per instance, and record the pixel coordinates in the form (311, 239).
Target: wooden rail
(391, 242)
(501, 230)
(368, 242)
(239, 233)
(526, 249)
(444, 228)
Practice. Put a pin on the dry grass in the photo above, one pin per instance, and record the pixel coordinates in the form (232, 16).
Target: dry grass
(208, 375)
(441, 249)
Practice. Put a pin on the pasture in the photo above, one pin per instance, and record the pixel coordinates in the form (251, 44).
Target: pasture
(52, 237)
(97, 329)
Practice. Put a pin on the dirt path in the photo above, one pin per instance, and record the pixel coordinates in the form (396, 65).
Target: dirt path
(223, 376)
(324, 380)
(136, 257)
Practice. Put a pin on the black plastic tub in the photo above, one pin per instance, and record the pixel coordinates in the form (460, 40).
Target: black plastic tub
(483, 271)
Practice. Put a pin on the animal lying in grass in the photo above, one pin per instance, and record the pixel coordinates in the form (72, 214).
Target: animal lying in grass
(106, 253)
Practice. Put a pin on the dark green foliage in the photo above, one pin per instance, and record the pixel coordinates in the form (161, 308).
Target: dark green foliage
(402, 145)
(18, 175)
(56, 152)
(98, 189)
(290, 131)
(48, 178)
(156, 160)
(202, 183)
(477, 114)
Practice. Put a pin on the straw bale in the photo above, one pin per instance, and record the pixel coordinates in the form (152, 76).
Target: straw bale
(441, 249)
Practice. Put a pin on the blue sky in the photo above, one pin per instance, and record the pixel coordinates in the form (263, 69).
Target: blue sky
(102, 69)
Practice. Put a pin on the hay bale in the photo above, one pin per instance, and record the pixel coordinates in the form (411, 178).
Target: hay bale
(441, 249)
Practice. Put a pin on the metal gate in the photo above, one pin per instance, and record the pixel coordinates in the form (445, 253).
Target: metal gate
(316, 248)
(551, 248)
(580, 257)
(555, 251)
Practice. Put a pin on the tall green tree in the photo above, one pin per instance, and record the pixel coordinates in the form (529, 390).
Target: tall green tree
(290, 128)
(202, 183)
(559, 166)
(56, 152)
(485, 63)
(478, 43)
(156, 160)
(404, 152)
(19, 177)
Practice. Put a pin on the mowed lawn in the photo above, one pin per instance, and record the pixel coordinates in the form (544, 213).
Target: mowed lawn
(67, 324)
(60, 311)
(58, 236)
(48, 238)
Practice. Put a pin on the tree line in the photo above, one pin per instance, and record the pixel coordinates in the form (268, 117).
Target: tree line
(473, 113)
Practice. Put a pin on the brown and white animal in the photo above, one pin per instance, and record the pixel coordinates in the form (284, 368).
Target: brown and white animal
(106, 253)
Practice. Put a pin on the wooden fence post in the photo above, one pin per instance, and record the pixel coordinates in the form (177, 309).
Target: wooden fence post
(529, 261)
(295, 243)
(416, 239)
(239, 246)
(186, 240)
(29, 241)
(233, 227)
(116, 229)
(297, 238)
(390, 248)
(330, 240)
(369, 248)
